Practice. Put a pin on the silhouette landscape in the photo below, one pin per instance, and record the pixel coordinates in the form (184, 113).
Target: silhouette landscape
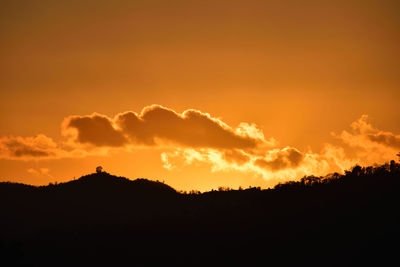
(225, 133)
(105, 220)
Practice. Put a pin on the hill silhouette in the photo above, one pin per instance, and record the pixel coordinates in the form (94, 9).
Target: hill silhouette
(104, 220)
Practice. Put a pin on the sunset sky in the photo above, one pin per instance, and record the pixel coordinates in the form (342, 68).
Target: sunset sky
(198, 94)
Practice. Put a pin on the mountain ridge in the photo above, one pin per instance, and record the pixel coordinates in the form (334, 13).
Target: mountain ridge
(105, 220)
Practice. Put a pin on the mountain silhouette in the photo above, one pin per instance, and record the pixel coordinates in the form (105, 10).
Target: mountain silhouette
(105, 220)
(103, 184)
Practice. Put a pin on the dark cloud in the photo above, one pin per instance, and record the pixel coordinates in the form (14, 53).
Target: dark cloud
(157, 125)
(97, 130)
(29, 151)
(385, 138)
(235, 156)
(29, 147)
(191, 129)
(286, 158)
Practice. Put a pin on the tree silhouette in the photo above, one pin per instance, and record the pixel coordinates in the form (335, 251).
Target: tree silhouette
(105, 220)
(99, 169)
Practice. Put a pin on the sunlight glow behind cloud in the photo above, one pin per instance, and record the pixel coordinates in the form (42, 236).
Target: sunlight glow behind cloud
(197, 138)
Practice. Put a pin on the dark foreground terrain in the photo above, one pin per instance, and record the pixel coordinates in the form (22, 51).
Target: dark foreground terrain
(104, 220)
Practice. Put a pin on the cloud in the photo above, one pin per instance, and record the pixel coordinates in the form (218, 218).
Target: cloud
(196, 138)
(281, 159)
(385, 138)
(363, 145)
(160, 126)
(274, 165)
(95, 129)
(362, 125)
(365, 135)
(155, 126)
(236, 156)
(369, 144)
(39, 146)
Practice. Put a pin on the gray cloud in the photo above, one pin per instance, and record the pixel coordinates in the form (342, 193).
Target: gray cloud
(385, 138)
(235, 156)
(95, 129)
(40, 146)
(157, 125)
(286, 158)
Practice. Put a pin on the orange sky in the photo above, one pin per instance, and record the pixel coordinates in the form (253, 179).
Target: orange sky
(302, 73)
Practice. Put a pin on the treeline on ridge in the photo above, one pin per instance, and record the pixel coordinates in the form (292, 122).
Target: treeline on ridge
(102, 220)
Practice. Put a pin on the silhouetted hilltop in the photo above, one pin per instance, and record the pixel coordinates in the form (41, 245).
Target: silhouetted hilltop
(104, 182)
(96, 188)
(104, 220)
